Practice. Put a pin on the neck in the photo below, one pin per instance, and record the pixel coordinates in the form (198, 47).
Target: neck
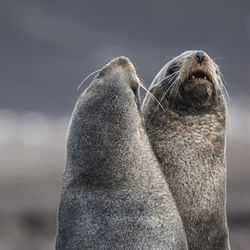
(190, 148)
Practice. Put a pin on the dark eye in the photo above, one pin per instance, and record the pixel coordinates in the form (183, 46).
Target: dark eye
(101, 74)
(173, 70)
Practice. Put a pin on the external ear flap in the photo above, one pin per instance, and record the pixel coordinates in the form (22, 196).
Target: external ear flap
(134, 87)
(149, 96)
(136, 90)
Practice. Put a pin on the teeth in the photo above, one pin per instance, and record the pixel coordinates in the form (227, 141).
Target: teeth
(193, 77)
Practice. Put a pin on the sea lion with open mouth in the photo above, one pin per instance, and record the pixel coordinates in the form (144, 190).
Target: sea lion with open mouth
(186, 129)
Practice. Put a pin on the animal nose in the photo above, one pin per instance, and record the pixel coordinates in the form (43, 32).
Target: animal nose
(123, 60)
(200, 56)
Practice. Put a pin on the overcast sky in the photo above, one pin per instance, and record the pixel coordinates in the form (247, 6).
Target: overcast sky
(48, 47)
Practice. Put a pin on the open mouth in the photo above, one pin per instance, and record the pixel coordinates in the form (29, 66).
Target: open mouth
(199, 75)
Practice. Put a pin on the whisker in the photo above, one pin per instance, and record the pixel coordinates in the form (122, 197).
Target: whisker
(86, 78)
(176, 89)
(223, 81)
(215, 58)
(172, 57)
(170, 88)
(228, 117)
(151, 95)
(224, 90)
(172, 76)
(229, 121)
(226, 110)
(140, 78)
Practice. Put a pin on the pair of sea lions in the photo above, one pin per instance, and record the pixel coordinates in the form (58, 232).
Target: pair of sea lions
(150, 177)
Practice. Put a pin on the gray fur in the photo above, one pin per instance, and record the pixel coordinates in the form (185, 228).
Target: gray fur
(114, 194)
(189, 142)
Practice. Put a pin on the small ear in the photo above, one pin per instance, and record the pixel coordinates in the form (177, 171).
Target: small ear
(148, 95)
(135, 88)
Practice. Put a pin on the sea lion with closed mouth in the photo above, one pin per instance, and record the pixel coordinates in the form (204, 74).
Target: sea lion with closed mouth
(114, 194)
(187, 134)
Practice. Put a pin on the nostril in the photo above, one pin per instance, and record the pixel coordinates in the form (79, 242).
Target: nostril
(123, 60)
(200, 55)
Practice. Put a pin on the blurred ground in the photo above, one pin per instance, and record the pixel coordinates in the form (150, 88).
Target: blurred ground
(32, 162)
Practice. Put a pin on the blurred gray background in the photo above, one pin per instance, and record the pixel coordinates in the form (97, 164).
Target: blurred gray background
(48, 47)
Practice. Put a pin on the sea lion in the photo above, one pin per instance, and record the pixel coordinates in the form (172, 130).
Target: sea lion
(114, 194)
(187, 132)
